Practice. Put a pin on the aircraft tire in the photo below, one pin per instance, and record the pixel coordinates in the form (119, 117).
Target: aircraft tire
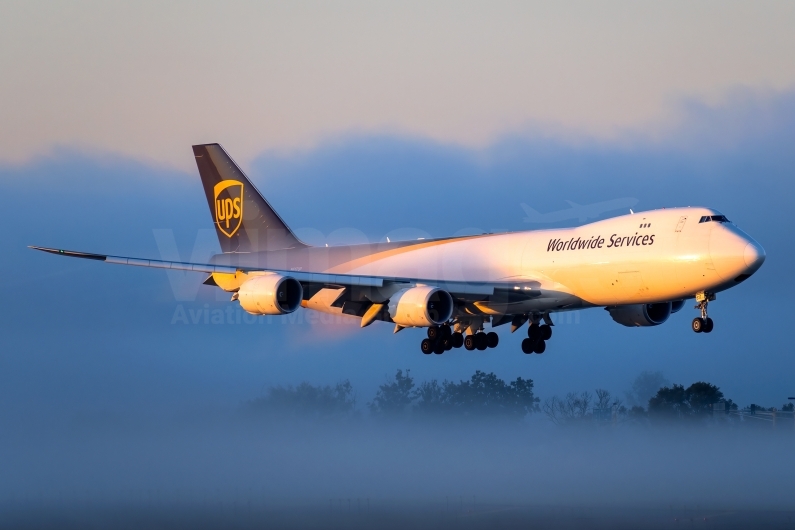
(527, 346)
(698, 324)
(546, 331)
(438, 348)
(426, 346)
(481, 342)
(447, 343)
(492, 339)
(540, 347)
(469, 342)
(433, 332)
(708, 325)
(534, 332)
(458, 340)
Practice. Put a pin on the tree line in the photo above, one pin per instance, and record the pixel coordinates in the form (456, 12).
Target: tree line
(484, 395)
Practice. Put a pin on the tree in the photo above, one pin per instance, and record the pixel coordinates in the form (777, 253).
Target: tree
(525, 400)
(701, 396)
(636, 413)
(482, 395)
(393, 398)
(669, 402)
(694, 401)
(644, 387)
(573, 408)
(431, 398)
(602, 398)
(306, 400)
(487, 395)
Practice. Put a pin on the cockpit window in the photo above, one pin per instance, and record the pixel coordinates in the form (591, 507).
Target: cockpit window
(716, 218)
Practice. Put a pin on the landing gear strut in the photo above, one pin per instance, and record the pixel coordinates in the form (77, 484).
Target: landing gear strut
(703, 324)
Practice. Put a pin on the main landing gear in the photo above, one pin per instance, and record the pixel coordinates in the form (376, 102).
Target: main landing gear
(471, 336)
(481, 341)
(703, 324)
(536, 338)
(443, 338)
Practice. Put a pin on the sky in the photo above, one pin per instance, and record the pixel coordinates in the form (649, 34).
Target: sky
(361, 121)
(148, 79)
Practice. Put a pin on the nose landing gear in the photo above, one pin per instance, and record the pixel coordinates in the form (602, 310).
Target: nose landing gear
(703, 324)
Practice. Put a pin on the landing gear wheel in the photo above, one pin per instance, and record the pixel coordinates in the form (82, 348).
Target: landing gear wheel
(469, 342)
(458, 340)
(541, 347)
(446, 332)
(492, 339)
(703, 324)
(426, 346)
(438, 348)
(447, 343)
(546, 331)
(527, 346)
(434, 332)
(534, 332)
(481, 342)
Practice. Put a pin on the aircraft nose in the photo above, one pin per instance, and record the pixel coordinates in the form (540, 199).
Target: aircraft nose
(754, 256)
(735, 255)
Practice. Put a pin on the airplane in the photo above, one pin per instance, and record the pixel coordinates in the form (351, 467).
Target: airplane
(581, 212)
(640, 267)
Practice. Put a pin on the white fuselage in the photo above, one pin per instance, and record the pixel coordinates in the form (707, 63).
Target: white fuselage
(645, 257)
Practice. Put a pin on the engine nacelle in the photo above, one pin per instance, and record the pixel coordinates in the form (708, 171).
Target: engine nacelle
(641, 314)
(676, 305)
(423, 306)
(270, 294)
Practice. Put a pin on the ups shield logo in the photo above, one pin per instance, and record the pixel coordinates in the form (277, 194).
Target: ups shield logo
(228, 206)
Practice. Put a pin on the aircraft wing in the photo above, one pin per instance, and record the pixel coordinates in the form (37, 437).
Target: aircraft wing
(469, 291)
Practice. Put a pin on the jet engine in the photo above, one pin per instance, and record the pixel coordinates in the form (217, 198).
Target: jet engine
(270, 294)
(421, 307)
(641, 314)
(676, 305)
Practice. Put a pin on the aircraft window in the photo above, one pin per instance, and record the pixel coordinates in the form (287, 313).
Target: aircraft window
(716, 218)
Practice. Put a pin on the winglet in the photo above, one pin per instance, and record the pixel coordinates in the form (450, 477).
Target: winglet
(71, 253)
